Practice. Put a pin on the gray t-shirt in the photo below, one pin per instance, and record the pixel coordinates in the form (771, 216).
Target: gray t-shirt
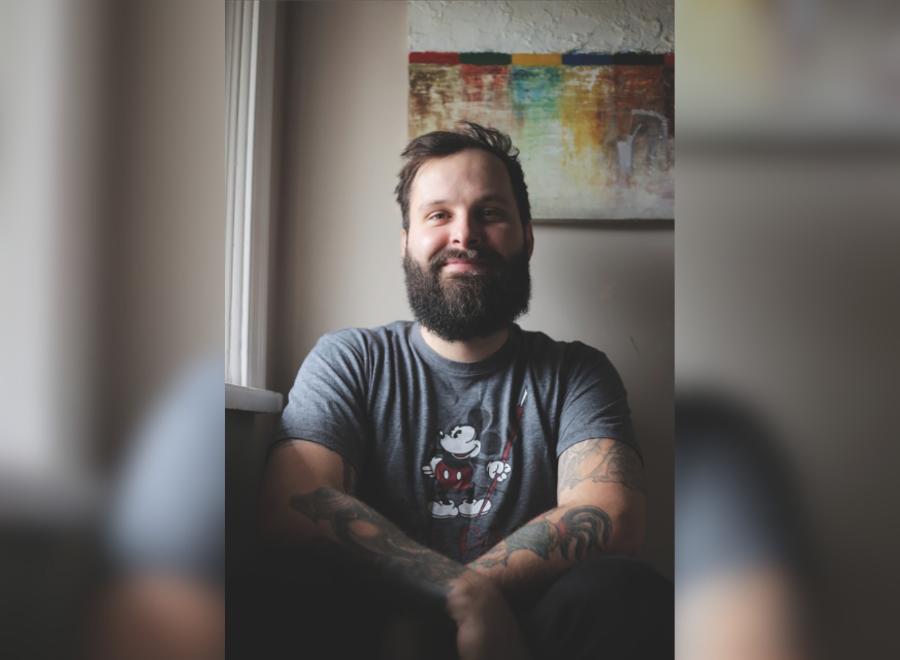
(458, 455)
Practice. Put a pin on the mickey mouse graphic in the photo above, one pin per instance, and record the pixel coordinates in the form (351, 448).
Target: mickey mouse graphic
(453, 469)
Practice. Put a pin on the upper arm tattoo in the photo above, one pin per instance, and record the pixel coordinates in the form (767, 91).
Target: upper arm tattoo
(600, 460)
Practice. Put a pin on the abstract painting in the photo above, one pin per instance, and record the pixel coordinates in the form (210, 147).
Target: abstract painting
(595, 131)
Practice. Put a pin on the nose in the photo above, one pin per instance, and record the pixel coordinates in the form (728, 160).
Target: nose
(466, 230)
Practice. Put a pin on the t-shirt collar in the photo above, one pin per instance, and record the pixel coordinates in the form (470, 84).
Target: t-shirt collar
(492, 363)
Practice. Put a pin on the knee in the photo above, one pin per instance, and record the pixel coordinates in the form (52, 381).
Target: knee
(621, 589)
(614, 579)
(612, 603)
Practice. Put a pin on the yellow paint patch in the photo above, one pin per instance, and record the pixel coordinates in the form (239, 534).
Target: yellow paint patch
(536, 59)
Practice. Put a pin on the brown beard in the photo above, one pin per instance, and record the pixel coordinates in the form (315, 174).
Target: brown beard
(468, 305)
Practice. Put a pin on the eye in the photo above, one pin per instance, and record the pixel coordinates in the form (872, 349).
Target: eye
(493, 214)
(437, 216)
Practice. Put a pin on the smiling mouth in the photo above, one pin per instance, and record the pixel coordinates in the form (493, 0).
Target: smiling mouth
(459, 455)
(464, 265)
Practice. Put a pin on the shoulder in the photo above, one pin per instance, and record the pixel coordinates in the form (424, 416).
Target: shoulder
(363, 337)
(362, 343)
(544, 350)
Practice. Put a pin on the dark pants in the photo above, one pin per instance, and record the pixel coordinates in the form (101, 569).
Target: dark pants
(612, 608)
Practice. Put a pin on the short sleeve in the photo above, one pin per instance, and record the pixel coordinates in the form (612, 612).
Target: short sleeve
(327, 403)
(595, 404)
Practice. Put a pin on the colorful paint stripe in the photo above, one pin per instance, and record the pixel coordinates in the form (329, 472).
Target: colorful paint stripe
(536, 59)
(543, 59)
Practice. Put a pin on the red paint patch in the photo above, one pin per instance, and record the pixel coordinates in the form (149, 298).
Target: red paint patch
(431, 57)
(484, 84)
(669, 59)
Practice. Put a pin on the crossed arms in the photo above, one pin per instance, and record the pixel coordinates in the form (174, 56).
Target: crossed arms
(308, 494)
(308, 497)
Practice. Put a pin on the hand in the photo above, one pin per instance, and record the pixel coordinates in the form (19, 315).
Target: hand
(428, 470)
(498, 470)
(486, 628)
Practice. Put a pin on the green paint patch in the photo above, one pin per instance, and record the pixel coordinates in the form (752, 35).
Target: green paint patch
(485, 58)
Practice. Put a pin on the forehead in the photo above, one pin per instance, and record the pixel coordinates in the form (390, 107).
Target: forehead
(468, 173)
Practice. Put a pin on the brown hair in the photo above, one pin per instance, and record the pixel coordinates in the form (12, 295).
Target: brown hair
(468, 135)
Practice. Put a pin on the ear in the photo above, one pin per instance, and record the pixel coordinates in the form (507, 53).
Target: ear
(529, 239)
(403, 240)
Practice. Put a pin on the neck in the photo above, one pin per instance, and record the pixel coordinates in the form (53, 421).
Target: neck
(469, 350)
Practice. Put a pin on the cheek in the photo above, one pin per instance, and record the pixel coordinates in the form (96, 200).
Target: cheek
(508, 239)
(424, 245)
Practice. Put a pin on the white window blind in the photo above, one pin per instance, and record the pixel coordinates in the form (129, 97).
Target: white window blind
(249, 52)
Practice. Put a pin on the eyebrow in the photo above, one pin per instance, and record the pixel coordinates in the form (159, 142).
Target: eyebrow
(480, 200)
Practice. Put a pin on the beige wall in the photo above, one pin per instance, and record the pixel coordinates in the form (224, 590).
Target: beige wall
(338, 241)
(344, 125)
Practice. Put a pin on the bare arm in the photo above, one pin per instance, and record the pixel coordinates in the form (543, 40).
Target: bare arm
(308, 498)
(600, 510)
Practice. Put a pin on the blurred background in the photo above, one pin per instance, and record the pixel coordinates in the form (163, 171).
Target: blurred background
(111, 204)
(113, 189)
(786, 327)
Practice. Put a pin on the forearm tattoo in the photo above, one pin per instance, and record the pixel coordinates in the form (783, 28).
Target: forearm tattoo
(604, 460)
(582, 532)
(372, 538)
(349, 478)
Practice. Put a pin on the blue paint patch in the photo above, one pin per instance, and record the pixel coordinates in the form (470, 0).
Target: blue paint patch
(586, 59)
(534, 90)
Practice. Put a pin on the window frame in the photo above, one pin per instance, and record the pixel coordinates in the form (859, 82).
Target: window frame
(250, 31)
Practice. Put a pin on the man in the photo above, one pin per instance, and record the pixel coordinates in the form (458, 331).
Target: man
(469, 464)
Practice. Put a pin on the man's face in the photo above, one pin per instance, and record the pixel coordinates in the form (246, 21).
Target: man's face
(466, 253)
